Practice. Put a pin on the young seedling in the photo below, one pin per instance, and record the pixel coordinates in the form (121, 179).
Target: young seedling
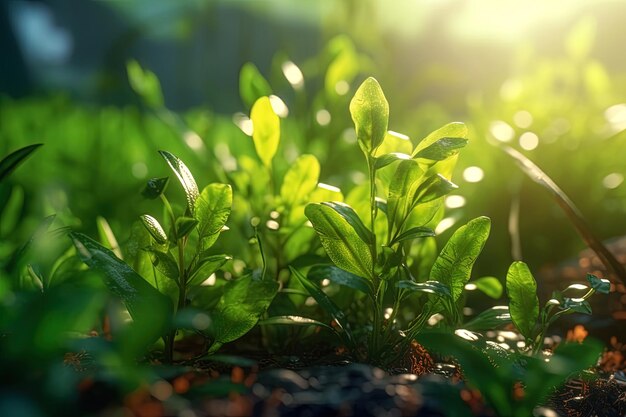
(371, 255)
(182, 261)
(533, 322)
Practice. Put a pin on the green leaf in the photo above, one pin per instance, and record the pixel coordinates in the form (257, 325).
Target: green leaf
(145, 303)
(155, 187)
(252, 85)
(339, 276)
(13, 160)
(453, 266)
(325, 303)
(185, 225)
(300, 180)
(601, 285)
(386, 159)
(431, 287)
(490, 286)
(521, 289)
(206, 267)
(266, 130)
(145, 83)
(184, 176)
(441, 149)
(576, 305)
(244, 301)
(451, 130)
(353, 219)
(212, 211)
(489, 319)
(370, 114)
(165, 264)
(413, 233)
(433, 188)
(154, 228)
(404, 183)
(293, 321)
(342, 243)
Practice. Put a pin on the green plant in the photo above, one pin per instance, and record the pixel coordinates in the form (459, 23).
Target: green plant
(511, 384)
(158, 293)
(533, 322)
(371, 255)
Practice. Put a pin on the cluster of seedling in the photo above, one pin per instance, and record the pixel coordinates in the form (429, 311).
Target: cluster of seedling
(371, 269)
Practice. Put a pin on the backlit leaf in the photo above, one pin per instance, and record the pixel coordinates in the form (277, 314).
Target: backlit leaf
(521, 289)
(453, 266)
(184, 176)
(266, 130)
(342, 243)
(212, 210)
(244, 301)
(300, 180)
(370, 114)
(441, 149)
(154, 228)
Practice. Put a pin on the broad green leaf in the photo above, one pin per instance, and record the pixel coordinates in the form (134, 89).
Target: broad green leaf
(13, 160)
(185, 225)
(342, 243)
(300, 180)
(521, 289)
(212, 211)
(453, 266)
(206, 267)
(433, 188)
(153, 226)
(405, 181)
(244, 301)
(451, 130)
(370, 114)
(394, 142)
(252, 85)
(339, 276)
(266, 130)
(388, 158)
(442, 149)
(145, 83)
(601, 285)
(325, 303)
(155, 187)
(489, 319)
(145, 303)
(166, 264)
(107, 237)
(413, 233)
(184, 176)
(293, 321)
(431, 287)
(490, 286)
(353, 219)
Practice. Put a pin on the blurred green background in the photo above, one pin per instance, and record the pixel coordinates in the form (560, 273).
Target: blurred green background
(547, 78)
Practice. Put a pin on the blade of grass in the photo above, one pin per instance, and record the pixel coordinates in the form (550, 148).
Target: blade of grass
(573, 213)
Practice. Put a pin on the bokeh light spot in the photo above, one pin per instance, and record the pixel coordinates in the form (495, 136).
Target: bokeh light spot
(501, 131)
(473, 174)
(529, 141)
